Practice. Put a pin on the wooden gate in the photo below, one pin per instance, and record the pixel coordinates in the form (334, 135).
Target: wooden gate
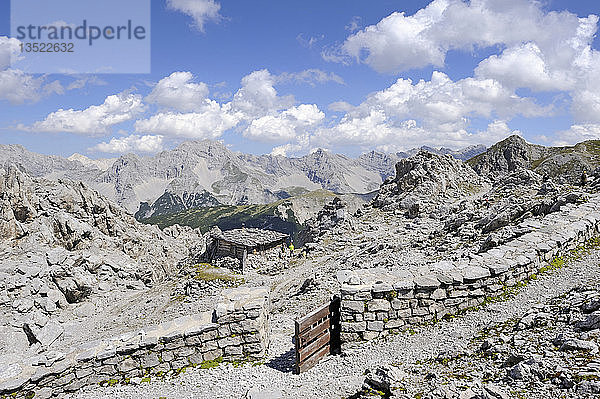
(317, 334)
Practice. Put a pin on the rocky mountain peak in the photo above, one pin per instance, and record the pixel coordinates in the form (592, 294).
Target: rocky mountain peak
(427, 179)
(506, 156)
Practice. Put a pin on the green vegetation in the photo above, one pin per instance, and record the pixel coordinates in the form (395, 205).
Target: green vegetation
(208, 364)
(206, 272)
(278, 216)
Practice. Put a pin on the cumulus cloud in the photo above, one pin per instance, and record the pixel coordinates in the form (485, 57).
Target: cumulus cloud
(341, 106)
(525, 66)
(496, 131)
(17, 87)
(443, 104)
(258, 97)
(209, 124)
(285, 126)
(133, 143)
(9, 51)
(95, 120)
(538, 50)
(577, 134)
(400, 42)
(201, 11)
(311, 77)
(434, 112)
(177, 91)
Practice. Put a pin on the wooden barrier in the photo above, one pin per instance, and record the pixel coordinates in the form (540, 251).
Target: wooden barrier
(317, 334)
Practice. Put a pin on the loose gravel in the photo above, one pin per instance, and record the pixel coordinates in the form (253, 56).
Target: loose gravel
(341, 376)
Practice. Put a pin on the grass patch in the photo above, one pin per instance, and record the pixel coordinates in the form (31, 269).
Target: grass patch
(206, 272)
(208, 364)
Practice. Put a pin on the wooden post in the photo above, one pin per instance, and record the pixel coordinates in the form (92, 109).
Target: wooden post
(334, 312)
(297, 345)
(244, 260)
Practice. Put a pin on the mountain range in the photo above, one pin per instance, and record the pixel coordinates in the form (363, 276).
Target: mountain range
(206, 173)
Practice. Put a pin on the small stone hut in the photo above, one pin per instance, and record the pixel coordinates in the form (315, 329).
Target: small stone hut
(238, 243)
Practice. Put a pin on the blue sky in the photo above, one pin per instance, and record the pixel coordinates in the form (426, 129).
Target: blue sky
(287, 77)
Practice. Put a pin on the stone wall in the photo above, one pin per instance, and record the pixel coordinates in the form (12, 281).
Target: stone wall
(377, 302)
(238, 328)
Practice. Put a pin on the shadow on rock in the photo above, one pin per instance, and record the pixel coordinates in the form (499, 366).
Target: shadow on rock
(284, 362)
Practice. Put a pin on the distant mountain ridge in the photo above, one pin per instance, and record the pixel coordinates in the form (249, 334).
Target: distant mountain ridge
(206, 173)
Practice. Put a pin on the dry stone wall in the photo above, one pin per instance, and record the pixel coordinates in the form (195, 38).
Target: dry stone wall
(238, 328)
(377, 302)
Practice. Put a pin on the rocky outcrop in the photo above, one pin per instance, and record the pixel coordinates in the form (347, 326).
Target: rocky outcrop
(507, 156)
(63, 245)
(563, 164)
(427, 180)
(330, 216)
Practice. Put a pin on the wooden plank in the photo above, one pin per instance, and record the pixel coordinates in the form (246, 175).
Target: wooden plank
(313, 317)
(314, 346)
(309, 335)
(314, 359)
(297, 345)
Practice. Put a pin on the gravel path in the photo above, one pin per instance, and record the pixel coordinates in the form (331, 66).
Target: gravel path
(341, 376)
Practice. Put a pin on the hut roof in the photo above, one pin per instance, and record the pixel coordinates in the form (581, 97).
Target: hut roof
(250, 237)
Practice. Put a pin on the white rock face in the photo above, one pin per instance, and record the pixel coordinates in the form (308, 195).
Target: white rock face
(62, 243)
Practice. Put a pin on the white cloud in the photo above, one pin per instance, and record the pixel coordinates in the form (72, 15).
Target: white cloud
(311, 77)
(84, 81)
(434, 112)
(201, 11)
(9, 51)
(54, 87)
(577, 134)
(258, 97)
(133, 143)
(287, 149)
(496, 131)
(524, 66)
(177, 91)
(341, 106)
(285, 126)
(399, 42)
(537, 50)
(209, 124)
(18, 87)
(260, 112)
(97, 119)
(354, 24)
(309, 41)
(586, 96)
(441, 102)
